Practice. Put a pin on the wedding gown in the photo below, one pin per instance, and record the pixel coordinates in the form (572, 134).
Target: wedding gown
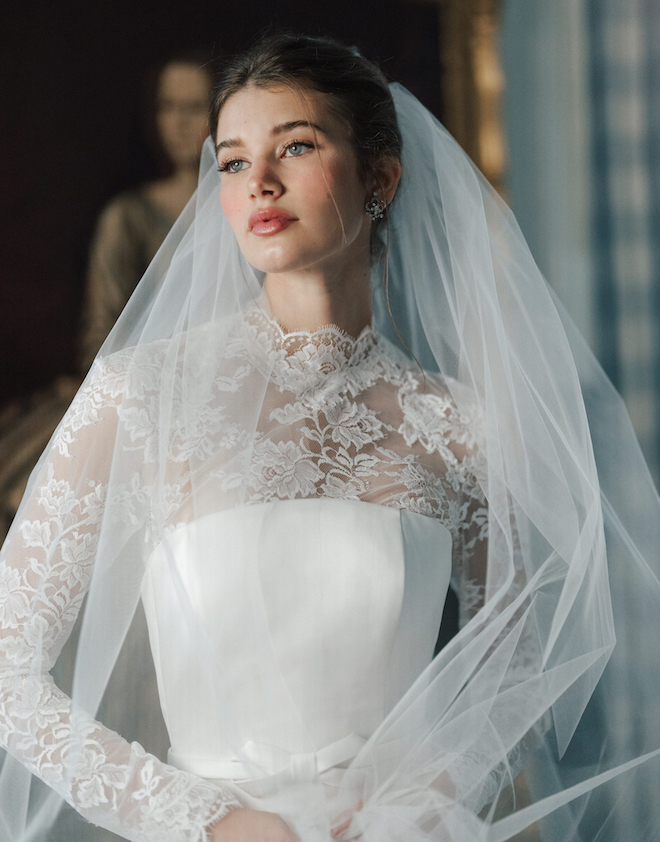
(201, 406)
(317, 596)
(353, 594)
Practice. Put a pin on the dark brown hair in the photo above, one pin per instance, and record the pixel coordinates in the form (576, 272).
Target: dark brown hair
(356, 88)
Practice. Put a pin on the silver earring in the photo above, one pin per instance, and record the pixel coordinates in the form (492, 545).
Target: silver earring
(375, 208)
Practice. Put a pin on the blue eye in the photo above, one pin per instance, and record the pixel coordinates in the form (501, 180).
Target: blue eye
(235, 165)
(297, 148)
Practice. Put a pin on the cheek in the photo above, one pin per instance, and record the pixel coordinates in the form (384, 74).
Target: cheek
(326, 193)
(231, 205)
(349, 194)
(313, 186)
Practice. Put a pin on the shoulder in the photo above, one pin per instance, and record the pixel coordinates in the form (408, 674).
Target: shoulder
(439, 413)
(120, 388)
(127, 375)
(137, 372)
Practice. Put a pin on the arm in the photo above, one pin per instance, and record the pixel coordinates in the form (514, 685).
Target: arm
(45, 571)
(470, 548)
(470, 569)
(251, 826)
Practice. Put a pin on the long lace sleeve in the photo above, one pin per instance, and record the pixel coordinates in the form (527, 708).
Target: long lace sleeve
(469, 577)
(45, 571)
(470, 550)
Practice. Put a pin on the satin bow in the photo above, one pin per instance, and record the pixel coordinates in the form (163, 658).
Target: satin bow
(276, 765)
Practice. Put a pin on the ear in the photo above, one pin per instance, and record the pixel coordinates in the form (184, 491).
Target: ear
(386, 178)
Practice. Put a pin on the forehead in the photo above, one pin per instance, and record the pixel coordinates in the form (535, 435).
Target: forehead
(255, 110)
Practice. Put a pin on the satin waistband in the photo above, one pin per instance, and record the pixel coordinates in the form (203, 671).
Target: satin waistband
(260, 766)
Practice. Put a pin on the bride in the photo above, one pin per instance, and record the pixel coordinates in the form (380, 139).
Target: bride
(341, 385)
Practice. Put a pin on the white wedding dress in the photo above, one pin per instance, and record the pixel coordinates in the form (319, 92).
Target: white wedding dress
(315, 594)
(353, 594)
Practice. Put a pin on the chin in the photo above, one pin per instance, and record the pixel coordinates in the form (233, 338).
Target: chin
(278, 264)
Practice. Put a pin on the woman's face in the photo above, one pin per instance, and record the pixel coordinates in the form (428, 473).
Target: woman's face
(182, 112)
(290, 183)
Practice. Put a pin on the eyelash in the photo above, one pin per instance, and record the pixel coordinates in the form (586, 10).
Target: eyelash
(224, 166)
(308, 143)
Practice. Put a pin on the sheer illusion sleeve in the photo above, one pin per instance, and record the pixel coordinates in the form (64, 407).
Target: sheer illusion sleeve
(45, 571)
(454, 433)
(472, 535)
(470, 550)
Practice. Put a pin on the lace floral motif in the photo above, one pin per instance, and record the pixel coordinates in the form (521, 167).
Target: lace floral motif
(45, 570)
(281, 416)
(351, 418)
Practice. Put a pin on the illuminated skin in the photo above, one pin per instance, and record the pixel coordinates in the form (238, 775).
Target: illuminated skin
(289, 156)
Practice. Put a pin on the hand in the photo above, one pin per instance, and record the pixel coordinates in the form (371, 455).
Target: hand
(340, 831)
(342, 828)
(243, 825)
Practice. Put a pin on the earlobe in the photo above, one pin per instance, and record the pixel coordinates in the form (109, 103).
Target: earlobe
(387, 179)
(384, 187)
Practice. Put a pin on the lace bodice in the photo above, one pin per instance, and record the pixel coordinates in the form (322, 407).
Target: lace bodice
(334, 417)
(352, 419)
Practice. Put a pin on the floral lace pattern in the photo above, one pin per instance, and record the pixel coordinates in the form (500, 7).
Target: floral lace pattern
(108, 781)
(351, 418)
(333, 416)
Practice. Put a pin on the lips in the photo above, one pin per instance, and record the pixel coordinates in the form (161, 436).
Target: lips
(269, 221)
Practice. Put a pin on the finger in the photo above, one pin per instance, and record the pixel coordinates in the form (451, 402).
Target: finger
(342, 827)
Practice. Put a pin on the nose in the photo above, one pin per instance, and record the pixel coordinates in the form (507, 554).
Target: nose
(263, 181)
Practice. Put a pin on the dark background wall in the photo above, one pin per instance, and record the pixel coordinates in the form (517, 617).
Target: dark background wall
(72, 103)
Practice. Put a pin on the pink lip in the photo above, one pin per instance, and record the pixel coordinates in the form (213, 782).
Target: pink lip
(269, 221)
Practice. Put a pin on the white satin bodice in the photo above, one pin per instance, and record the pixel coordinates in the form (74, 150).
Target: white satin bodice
(316, 616)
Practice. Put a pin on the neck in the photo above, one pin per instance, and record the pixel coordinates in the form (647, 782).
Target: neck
(310, 300)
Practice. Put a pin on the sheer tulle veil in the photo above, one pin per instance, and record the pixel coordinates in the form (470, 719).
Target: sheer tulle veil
(556, 674)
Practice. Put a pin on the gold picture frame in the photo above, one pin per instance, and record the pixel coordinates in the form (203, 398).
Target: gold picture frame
(472, 81)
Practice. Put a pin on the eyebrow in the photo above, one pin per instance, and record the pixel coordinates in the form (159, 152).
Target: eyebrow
(280, 128)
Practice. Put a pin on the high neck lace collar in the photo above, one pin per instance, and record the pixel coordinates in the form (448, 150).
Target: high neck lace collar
(318, 366)
(330, 345)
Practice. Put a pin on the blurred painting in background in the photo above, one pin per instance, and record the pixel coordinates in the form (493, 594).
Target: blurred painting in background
(128, 233)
